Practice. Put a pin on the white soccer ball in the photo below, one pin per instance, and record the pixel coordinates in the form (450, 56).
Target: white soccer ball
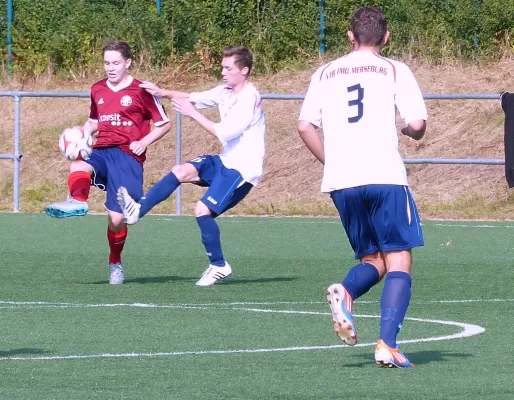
(75, 144)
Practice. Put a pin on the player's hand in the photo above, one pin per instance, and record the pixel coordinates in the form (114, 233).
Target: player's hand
(151, 88)
(183, 106)
(87, 134)
(137, 147)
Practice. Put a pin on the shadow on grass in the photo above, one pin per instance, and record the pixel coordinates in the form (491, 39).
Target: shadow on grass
(416, 357)
(151, 279)
(165, 279)
(22, 351)
(257, 280)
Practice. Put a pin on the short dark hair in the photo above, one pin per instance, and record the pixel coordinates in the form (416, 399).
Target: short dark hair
(120, 46)
(369, 26)
(243, 56)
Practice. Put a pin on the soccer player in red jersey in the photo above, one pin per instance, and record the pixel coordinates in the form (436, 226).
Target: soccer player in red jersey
(120, 114)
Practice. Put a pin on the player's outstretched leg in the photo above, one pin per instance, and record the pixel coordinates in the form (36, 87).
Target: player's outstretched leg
(341, 307)
(78, 183)
(214, 274)
(129, 206)
(386, 356)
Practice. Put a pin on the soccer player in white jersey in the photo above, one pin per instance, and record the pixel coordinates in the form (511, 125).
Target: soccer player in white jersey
(354, 100)
(121, 113)
(230, 175)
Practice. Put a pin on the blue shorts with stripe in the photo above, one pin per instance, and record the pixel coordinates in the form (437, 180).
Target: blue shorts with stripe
(112, 168)
(379, 218)
(226, 186)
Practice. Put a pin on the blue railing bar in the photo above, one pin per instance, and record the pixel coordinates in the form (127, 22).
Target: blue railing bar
(10, 157)
(464, 96)
(45, 94)
(273, 96)
(484, 161)
(17, 134)
(16, 157)
(270, 96)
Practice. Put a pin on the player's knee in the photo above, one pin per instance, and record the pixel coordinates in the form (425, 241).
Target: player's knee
(377, 260)
(116, 222)
(185, 172)
(80, 166)
(400, 260)
(180, 171)
(201, 210)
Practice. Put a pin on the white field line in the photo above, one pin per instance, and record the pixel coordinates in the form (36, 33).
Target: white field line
(324, 220)
(44, 304)
(467, 331)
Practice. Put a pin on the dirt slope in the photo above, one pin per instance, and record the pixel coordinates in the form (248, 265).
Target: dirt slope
(456, 129)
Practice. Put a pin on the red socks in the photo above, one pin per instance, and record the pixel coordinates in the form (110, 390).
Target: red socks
(116, 243)
(79, 183)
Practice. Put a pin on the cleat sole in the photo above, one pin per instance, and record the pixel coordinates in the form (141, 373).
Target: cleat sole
(343, 328)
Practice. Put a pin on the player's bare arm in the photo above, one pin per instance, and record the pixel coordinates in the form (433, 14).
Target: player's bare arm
(90, 127)
(185, 107)
(415, 129)
(138, 147)
(155, 90)
(312, 139)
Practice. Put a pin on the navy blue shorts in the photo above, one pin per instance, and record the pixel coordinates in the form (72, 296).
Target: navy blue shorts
(112, 168)
(226, 186)
(379, 218)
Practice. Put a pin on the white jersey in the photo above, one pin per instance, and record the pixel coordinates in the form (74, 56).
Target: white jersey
(354, 99)
(241, 129)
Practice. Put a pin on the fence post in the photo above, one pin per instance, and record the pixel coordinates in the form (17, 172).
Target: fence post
(17, 157)
(178, 150)
(9, 37)
(322, 45)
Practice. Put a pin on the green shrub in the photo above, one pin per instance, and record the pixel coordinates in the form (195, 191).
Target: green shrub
(69, 35)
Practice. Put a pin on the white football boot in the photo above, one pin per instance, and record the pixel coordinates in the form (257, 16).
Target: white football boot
(214, 274)
(128, 205)
(68, 208)
(116, 275)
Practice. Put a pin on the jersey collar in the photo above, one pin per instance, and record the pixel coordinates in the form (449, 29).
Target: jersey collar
(120, 86)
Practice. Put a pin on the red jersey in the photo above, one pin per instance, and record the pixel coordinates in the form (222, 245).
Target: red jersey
(123, 114)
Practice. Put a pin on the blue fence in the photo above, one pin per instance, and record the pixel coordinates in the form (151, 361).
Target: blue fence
(17, 157)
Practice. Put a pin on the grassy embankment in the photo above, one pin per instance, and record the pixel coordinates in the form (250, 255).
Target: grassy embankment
(290, 186)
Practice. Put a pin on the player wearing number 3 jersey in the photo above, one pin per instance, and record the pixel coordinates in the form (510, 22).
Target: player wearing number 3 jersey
(354, 100)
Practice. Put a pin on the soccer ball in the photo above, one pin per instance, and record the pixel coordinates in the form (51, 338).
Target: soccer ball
(75, 144)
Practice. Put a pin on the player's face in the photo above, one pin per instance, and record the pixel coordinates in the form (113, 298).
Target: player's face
(231, 73)
(115, 66)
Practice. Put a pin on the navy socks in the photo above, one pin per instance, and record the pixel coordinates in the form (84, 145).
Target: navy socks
(360, 279)
(211, 239)
(393, 305)
(158, 192)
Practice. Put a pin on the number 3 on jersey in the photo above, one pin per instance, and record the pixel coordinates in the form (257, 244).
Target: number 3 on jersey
(357, 102)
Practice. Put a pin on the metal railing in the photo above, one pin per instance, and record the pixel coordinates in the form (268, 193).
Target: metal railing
(16, 156)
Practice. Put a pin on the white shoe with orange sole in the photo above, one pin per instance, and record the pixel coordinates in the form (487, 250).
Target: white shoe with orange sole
(341, 306)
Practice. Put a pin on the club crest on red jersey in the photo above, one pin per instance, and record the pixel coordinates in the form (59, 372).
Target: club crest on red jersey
(126, 101)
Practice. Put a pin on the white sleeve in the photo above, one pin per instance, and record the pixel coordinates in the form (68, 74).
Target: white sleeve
(409, 99)
(311, 107)
(207, 98)
(240, 116)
